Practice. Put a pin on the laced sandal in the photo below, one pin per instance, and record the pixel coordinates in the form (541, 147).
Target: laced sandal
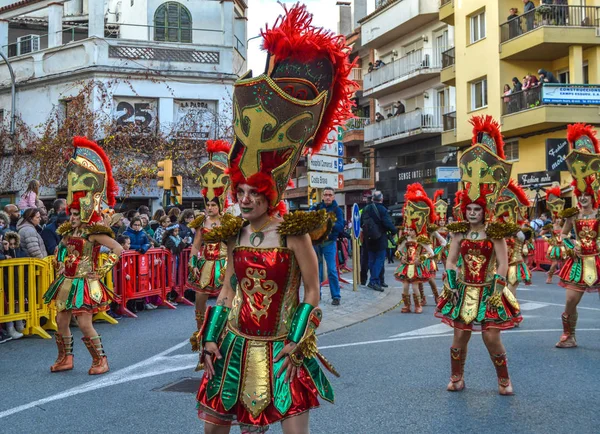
(406, 302)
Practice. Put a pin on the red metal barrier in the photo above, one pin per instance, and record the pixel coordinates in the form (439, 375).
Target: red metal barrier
(139, 275)
(541, 247)
(179, 275)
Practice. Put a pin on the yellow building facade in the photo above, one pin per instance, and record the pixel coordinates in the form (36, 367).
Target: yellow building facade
(489, 50)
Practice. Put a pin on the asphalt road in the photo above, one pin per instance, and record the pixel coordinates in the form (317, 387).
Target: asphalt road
(394, 368)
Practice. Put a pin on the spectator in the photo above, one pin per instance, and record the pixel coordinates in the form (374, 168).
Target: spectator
(58, 206)
(14, 215)
(514, 23)
(185, 218)
(328, 250)
(547, 77)
(30, 233)
(371, 67)
(126, 265)
(538, 223)
(376, 224)
(130, 215)
(143, 209)
(117, 224)
(379, 63)
(174, 214)
(49, 235)
(379, 117)
(30, 197)
(400, 108)
(146, 228)
(517, 86)
(173, 242)
(138, 238)
(43, 217)
(562, 12)
(10, 250)
(4, 222)
(155, 222)
(529, 12)
(164, 224)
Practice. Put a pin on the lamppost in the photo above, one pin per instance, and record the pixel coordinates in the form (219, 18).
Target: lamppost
(13, 115)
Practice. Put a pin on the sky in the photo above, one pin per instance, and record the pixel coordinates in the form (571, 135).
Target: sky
(325, 14)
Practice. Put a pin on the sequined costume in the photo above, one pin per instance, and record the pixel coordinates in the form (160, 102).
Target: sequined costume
(410, 271)
(556, 249)
(211, 265)
(245, 389)
(582, 272)
(518, 272)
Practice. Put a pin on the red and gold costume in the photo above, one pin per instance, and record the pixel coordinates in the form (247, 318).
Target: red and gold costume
(290, 110)
(441, 210)
(556, 251)
(79, 287)
(474, 296)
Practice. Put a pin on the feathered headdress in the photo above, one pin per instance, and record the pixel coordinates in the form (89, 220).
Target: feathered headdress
(440, 205)
(583, 160)
(510, 203)
(457, 208)
(554, 203)
(484, 172)
(418, 209)
(89, 180)
(213, 177)
(291, 108)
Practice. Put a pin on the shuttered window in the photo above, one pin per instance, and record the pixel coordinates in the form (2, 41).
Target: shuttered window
(173, 23)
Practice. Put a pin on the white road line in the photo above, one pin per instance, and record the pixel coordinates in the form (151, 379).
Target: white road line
(560, 305)
(435, 329)
(531, 305)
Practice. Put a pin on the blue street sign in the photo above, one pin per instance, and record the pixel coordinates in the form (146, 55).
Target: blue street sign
(355, 220)
(340, 149)
(447, 174)
(340, 165)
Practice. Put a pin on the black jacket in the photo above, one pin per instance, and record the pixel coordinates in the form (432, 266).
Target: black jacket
(385, 223)
(50, 237)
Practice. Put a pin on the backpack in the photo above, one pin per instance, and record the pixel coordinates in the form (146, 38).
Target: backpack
(370, 226)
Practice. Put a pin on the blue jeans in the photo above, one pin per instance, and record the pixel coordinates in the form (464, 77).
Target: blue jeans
(376, 262)
(328, 251)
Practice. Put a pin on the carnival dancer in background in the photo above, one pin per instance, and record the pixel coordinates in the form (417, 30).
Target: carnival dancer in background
(508, 210)
(260, 353)
(441, 210)
(415, 249)
(78, 290)
(475, 297)
(553, 232)
(581, 271)
(208, 261)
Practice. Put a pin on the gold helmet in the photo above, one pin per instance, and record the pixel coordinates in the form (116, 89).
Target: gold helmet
(510, 204)
(214, 179)
(418, 210)
(554, 203)
(439, 204)
(583, 160)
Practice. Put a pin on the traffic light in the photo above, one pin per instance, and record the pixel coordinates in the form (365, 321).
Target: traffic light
(176, 183)
(165, 173)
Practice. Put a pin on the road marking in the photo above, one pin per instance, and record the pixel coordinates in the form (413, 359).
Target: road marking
(435, 329)
(532, 305)
(562, 305)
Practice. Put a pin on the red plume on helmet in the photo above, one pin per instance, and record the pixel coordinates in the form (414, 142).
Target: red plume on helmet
(438, 195)
(582, 137)
(213, 146)
(415, 194)
(552, 191)
(576, 131)
(487, 124)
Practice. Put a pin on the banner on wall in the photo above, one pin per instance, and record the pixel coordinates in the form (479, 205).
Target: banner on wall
(195, 119)
(579, 94)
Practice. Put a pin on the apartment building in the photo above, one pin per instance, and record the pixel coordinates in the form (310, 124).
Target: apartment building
(490, 50)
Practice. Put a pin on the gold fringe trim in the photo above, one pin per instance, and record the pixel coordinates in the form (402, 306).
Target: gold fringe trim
(422, 239)
(316, 223)
(100, 229)
(568, 212)
(432, 228)
(64, 229)
(458, 227)
(230, 226)
(197, 222)
(497, 231)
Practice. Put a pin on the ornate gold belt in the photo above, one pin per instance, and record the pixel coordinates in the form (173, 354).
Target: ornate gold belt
(474, 284)
(255, 338)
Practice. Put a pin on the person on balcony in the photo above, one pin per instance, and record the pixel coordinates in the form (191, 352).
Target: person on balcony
(514, 25)
(400, 108)
(529, 12)
(379, 117)
(547, 76)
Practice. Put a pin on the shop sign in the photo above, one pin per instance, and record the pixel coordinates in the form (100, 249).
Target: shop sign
(579, 94)
(556, 154)
(538, 179)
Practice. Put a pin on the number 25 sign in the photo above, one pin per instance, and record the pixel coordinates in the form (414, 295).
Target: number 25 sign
(141, 112)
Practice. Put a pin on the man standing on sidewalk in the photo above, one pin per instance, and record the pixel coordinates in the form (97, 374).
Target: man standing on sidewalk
(376, 224)
(328, 249)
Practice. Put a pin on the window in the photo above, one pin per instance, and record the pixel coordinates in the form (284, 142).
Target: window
(477, 27)
(173, 23)
(586, 74)
(563, 76)
(479, 94)
(511, 150)
(28, 44)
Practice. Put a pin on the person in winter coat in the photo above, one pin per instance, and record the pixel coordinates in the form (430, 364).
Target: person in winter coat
(29, 199)
(165, 222)
(4, 222)
(185, 232)
(139, 239)
(11, 250)
(30, 233)
(173, 242)
(547, 76)
(49, 234)
(155, 222)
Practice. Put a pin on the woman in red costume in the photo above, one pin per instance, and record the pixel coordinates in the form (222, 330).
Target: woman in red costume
(475, 297)
(260, 353)
(581, 271)
(208, 261)
(78, 290)
(553, 232)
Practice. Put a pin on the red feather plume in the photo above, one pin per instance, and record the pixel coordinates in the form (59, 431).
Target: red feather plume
(487, 124)
(518, 192)
(552, 191)
(112, 189)
(575, 131)
(213, 146)
(458, 197)
(416, 193)
(294, 37)
(438, 195)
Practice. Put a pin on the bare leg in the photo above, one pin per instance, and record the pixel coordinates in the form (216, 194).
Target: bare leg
(493, 343)
(86, 326)
(201, 300)
(434, 289)
(551, 271)
(296, 424)
(458, 353)
(209, 428)
(63, 320)
(569, 320)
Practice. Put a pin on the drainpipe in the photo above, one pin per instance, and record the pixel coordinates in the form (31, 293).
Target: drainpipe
(13, 114)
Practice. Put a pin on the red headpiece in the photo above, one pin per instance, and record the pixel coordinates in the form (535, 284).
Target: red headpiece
(213, 177)
(584, 160)
(511, 203)
(553, 201)
(418, 210)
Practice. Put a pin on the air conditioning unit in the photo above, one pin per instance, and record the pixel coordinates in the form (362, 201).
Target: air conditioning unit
(28, 44)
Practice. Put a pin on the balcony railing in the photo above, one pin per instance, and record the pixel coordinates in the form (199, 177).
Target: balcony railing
(551, 94)
(427, 118)
(448, 58)
(449, 121)
(416, 61)
(356, 74)
(550, 15)
(356, 171)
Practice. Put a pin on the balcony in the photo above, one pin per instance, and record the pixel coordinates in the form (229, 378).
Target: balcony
(354, 130)
(449, 128)
(404, 128)
(547, 32)
(394, 19)
(357, 177)
(414, 68)
(446, 13)
(549, 106)
(448, 73)
(356, 75)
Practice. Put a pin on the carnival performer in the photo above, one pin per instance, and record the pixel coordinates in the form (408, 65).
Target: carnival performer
(580, 272)
(208, 261)
(475, 297)
(415, 250)
(437, 235)
(553, 232)
(509, 207)
(259, 341)
(79, 290)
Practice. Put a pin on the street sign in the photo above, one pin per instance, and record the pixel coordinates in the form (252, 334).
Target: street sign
(340, 149)
(322, 179)
(341, 165)
(323, 163)
(340, 181)
(447, 174)
(355, 220)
